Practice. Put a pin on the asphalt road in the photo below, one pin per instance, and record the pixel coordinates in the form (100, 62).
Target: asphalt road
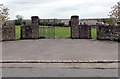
(59, 49)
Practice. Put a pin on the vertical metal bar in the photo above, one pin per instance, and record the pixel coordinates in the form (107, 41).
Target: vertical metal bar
(53, 32)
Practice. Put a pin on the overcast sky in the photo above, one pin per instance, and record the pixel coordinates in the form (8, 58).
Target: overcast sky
(61, 9)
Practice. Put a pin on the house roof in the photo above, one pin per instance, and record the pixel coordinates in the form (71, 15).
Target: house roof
(89, 22)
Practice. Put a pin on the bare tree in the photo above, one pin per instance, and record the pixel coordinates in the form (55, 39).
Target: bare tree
(3, 14)
(115, 11)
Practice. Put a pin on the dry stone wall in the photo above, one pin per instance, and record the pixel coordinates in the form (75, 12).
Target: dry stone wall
(79, 31)
(85, 31)
(8, 33)
(108, 32)
(31, 31)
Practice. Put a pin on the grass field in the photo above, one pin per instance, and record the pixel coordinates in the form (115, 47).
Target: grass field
(60, 32)
(17, 32)
(93, 33)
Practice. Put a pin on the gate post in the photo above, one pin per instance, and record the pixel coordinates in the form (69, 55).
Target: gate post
(35, 21)
(74, 23)
(35, 26)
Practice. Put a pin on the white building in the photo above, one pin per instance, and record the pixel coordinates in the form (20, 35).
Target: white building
(89, 22)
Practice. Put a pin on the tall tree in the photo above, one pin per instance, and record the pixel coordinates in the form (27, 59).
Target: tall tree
(115, 11)
(19, 20)
(19, 17)
(3, 14)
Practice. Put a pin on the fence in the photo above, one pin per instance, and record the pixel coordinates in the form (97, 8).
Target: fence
(46, 32)
(35, 31)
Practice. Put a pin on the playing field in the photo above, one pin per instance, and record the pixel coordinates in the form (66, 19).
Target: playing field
(60, 32)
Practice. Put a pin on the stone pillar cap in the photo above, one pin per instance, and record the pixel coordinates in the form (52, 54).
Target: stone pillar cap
(75, 16)
(34, 17)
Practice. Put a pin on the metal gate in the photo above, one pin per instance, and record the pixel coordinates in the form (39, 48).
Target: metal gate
(47, 32)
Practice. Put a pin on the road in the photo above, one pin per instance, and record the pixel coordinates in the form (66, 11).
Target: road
(59, 49)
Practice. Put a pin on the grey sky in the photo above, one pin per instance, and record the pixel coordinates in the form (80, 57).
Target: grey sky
(59, 8)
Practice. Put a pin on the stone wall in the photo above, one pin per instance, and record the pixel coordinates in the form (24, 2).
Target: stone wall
(84, 31)
(8, 33)
(79, 31)
(31, 31)
(26, 32)
(108, 32)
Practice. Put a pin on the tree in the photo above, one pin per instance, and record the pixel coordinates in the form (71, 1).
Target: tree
(115, 11)
(19, 20)
(19, 17)
(110, 20)
(3, 14)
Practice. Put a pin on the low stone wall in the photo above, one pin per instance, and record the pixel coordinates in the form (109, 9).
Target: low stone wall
(108, 32)
(79, 31)
(84, 31)
(29, 32)
(8, 33)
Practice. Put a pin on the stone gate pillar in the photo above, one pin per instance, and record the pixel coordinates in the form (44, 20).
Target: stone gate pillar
(35, 21)
(35, 26)
(74, 27)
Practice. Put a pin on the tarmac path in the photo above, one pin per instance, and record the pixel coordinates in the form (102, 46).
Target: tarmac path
(59, 49)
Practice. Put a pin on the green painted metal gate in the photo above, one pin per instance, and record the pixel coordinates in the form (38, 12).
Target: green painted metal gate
(47, 32)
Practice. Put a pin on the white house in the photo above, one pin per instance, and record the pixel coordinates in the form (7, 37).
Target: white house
(89, 22)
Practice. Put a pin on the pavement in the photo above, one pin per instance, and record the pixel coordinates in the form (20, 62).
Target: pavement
(59, 69)
(58, 72)
(59, 49)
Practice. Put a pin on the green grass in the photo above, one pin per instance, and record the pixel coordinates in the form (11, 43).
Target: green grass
(60, 32)
(93, 33)
(17, 32)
